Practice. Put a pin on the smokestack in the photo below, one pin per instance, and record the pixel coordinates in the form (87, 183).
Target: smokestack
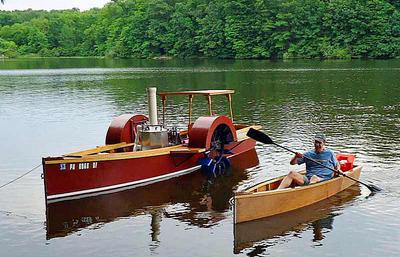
(152, 102)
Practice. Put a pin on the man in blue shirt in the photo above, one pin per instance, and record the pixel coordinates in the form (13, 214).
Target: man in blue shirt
(314, 172)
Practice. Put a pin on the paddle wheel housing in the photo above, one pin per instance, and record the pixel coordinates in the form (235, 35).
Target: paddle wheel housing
(208, 131)
(213, 133)
(124, 128)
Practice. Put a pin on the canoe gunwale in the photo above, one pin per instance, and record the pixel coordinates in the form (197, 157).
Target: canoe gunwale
(248, 190)
(286, 190)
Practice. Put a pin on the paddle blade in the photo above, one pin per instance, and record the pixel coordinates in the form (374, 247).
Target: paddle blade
(259, 136)
(374, 188)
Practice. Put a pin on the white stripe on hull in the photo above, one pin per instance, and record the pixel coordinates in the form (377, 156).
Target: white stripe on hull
(118, 187)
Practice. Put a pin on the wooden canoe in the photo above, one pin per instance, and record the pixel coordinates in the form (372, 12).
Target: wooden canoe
(263, 200)
(315, 216)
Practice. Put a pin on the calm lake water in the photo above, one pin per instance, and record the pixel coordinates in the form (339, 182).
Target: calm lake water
(54, 106)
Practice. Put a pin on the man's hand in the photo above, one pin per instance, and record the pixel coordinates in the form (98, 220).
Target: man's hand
(298, 155)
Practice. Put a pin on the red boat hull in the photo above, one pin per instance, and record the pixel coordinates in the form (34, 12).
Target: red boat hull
(80, 178)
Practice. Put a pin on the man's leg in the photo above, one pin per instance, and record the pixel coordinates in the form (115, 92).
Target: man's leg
(315, 179)
(292, 176)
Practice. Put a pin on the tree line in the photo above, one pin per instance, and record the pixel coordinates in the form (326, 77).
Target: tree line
(256, 29)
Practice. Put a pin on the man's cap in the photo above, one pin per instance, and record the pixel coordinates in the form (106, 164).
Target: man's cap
(320, 138)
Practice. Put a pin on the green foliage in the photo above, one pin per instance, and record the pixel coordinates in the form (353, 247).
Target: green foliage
(8, 48)
(211, 33)
(184, 27)
(338, 29)
(364, 27)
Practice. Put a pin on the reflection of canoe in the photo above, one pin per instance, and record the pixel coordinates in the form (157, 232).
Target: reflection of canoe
(263, 200)
(66, 217)
(247, 233)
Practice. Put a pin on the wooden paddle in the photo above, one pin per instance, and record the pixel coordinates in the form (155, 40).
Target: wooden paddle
(263, 138)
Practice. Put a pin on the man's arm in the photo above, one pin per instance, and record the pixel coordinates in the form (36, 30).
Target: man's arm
(297, 156)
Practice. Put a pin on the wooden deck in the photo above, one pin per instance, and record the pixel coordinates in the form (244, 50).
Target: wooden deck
(99, 149)
(102, 153)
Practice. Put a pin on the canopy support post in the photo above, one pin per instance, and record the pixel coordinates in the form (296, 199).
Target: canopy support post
(229, 96)
(164, 104)
(190, 108)
(209, 105)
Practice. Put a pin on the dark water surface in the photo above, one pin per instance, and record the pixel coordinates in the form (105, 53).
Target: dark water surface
(54, 106)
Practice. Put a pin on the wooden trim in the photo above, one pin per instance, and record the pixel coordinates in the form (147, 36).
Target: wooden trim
(199, 92)
(187, 150)
(117, 156)
(98, 149)
(207, 93)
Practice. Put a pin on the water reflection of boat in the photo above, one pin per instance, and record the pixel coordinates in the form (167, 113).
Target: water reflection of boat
(206, 202)
(317, 217)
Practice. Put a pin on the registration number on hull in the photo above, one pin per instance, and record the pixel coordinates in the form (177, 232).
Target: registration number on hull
(78, 166)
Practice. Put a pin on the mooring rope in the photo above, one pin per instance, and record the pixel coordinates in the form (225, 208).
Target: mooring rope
(20, 176)
(231, 201)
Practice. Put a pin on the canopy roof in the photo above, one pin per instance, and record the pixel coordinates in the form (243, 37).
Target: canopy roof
(207, 93)
(199, 92)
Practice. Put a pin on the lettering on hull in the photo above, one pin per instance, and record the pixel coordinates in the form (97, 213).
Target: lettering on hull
(78, 166)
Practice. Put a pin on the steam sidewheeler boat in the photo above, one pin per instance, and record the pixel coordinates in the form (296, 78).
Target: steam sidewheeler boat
(139, 151)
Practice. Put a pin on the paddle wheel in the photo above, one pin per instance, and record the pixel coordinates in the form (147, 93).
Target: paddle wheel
(214, 134)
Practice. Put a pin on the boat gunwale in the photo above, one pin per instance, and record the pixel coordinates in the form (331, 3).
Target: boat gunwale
(247, 194)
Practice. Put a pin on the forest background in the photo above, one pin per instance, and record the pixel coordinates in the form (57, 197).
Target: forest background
(241, 29)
